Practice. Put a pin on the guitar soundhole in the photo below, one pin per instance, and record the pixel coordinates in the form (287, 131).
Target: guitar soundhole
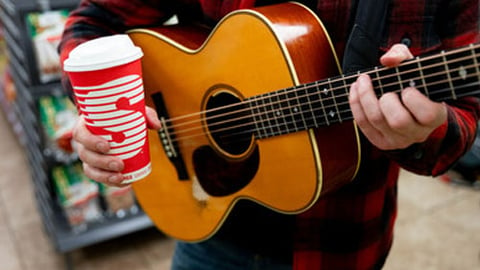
(229, 123)
(232, 159)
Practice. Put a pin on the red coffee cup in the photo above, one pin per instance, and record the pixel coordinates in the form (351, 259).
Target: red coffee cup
(106, 76)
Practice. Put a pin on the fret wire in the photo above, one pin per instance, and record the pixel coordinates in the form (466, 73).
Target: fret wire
(262, 121)
(311, 108)
(472, 50)
(292, 110)
(319, 93)
(277, 113)
(398, 77)
(334, 100)
(271, 114)
(259, 126)
(287, 110)
(379, 80)
(267, 112)
(259, 114)
(448, 74)
(422, 76)
(279, 131)
(299, 106)
(345, 86)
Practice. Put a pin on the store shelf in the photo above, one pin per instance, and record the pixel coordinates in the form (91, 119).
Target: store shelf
(25, 120)
(95, 233)
(17, 6)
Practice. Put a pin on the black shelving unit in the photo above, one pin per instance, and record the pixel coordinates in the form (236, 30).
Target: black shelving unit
(29, 88)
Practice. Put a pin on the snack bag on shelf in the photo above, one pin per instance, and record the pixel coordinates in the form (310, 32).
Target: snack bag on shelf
(120, 201)
(77, 195)
(57, 116)
(46, 29)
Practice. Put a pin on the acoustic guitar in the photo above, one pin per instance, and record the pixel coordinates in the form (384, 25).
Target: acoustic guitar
(257, 109)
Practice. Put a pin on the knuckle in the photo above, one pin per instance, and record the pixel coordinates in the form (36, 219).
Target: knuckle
(360, 120)
(82, 155)
(400, 123)
(76, 132)
(376, 118)
(427, 118)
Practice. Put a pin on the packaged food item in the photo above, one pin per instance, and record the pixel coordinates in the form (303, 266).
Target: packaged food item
(46, 29)
(119, 201)
(77, 195)
(58, 115)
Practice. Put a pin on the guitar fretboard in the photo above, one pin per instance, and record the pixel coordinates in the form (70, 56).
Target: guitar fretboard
(441, 77)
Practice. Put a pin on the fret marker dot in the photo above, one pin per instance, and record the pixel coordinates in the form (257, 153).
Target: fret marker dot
(295, 109)
(279, 113)
(412, 83)
(463, 73)
(325, 91)
(332, 114)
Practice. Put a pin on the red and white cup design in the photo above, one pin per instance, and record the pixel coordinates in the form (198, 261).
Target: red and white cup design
(109, 93)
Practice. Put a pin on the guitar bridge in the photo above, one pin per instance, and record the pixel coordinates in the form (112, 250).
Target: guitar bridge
(167, 138)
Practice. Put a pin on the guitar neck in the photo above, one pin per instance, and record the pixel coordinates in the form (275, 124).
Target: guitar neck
(441, 77)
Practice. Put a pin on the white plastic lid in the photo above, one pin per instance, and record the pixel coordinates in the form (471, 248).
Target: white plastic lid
(101, 53)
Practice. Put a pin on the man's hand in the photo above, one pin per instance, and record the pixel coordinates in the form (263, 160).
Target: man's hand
(92, 150)
(394, 121)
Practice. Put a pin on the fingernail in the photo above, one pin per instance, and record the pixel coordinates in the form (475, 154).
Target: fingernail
(115, 179)
(362, 79)
(114, 166)
(102, 147)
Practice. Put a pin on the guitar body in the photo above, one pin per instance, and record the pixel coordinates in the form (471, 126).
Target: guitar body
(249, 53)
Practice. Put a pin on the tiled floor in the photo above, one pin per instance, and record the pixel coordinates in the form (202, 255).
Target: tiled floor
(438, 227)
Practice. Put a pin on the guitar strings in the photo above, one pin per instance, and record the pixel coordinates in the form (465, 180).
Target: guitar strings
(329, 107)
(183, 140)
(302, 87)
(322, 123)
(308, 119)
(293, 89)
(178, 131)
(249, 132)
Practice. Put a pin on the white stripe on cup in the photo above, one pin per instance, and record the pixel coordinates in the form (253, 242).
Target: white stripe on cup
(117, 121)
(135, 130)
(107, 115)
(129, 155)
(127, 126)
(128, 148)
(110, 91)
(111, 83)
(95, 109)
(111, 99)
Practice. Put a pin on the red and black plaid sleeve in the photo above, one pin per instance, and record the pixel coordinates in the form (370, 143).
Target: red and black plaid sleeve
(95, 18)
(353, 228)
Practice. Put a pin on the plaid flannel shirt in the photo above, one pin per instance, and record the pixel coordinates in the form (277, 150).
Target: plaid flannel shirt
(353, 227)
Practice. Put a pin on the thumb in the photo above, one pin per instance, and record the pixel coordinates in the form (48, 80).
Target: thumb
(152, 118)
